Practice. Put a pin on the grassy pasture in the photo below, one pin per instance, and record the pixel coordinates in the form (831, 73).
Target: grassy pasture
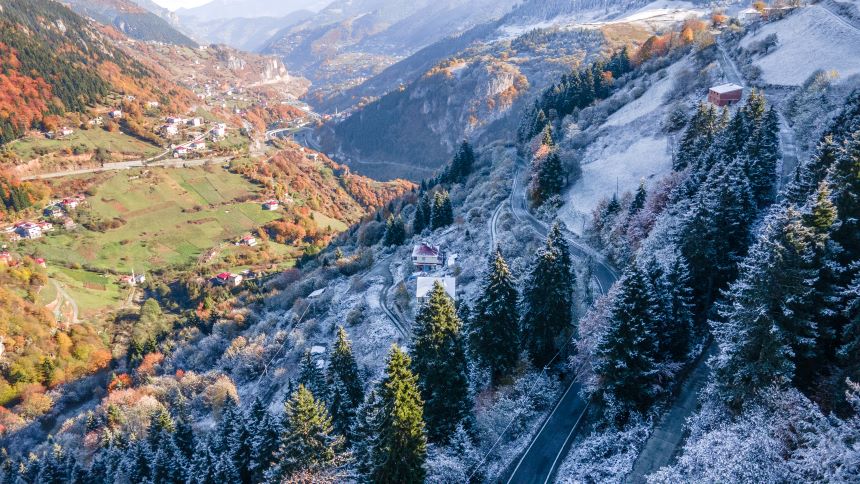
(170, 217)
(29, 148)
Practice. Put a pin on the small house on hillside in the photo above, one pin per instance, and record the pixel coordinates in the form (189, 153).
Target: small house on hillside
(725, 94)
(425, 286)
(426, 257)
(228, 279)
(28, 230)
(198, 145)
(271, 205)
(116, 114)
(180, 152)
(170, 130)
(748, 16)
(195, 122)
(248, 240)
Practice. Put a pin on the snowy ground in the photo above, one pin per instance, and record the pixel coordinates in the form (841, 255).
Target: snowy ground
(630, 148)
(808, 40)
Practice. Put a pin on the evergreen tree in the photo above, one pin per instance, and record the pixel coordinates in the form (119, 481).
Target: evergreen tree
(762, 328)
(763, 155)
(677, 339)
(312, 377)
(308, 441)
(494, 332)
(184, 434)
(344, 380)
(401, 446)
(461, 165)
(442, 214)
(849, 351)
(697, 137)
(263, 430)
(395, 231)
(638, 202)
(423, 210)
(439, 360)
(547, 299)
(547, 179)
(365, 433)
(202, 469)
(626, 354)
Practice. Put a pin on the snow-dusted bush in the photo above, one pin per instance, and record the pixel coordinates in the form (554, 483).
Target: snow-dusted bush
(604, 455)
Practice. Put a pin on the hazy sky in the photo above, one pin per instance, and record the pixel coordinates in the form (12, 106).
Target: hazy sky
(174, 4)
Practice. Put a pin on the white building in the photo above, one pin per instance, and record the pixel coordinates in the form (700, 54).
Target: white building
(194, 122)
(116, 114)
(425, 286)
(426, 257)
(220, 130)
(170, 130)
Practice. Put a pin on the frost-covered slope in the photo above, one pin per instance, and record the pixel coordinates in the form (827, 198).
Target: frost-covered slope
(808, 40)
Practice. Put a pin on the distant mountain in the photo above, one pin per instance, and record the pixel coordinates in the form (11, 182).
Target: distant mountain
(353, 40)
(249, 34)
(132, 19)
(56, 62)
(233, 9)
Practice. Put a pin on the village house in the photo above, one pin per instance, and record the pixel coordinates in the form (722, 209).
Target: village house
(70, 203)
(40, 262)
(170, 130)
(175, 120)
(220, 130)
(180, 152)
(116, 114)
(426, 257)
(248, 240)
(198, 145)
(53, 212)
(271, 205)
(228, 279)
(425, 286)
(316, 294)
(152, 104)
(725, 94)
(28, 230)
(312, 156)
(195, 122)
(133, 280)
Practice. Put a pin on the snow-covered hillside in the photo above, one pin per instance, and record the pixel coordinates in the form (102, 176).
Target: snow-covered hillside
(629, 147)
(811, 39)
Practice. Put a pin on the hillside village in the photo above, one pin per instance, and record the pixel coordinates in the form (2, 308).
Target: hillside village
(627, 253)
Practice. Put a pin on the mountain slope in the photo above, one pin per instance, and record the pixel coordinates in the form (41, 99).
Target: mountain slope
(350, 41)
(57, 62)
(131, 19)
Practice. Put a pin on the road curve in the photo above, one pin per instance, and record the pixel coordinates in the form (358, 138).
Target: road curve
(548, 447)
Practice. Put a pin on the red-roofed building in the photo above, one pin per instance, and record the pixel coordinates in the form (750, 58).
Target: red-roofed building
(40, 262)
(427, 257)
(271, 205)
(725, 94)
(5, 258)
(226, 278)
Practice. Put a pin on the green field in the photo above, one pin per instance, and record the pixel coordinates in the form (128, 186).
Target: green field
(171, 217)
(29, 148)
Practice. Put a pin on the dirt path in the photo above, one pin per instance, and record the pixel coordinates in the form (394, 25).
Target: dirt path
(64, 299)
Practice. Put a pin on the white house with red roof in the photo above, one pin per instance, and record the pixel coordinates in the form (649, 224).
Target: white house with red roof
(271, 205)
(228, 279)
(427, 257)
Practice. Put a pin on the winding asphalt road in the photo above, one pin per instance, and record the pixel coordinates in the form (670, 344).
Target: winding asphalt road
(548, 447)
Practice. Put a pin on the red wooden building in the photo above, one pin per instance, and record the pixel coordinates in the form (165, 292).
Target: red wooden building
(725, 94)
